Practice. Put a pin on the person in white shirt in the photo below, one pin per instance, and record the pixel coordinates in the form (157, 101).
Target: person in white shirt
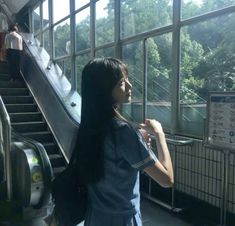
(14, 46)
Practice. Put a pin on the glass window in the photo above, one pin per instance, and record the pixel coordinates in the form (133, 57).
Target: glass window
(61, 9)
(45, 18)
(145, 15)
(81, 61)
(107, 52)
(104, 26)
(207, 64)
(132, 56)
(46, 42)
(192, 8)
(159, 51)
(79, 3)
(65, 66)
(62, 38)
(36, 20)
(83, 29)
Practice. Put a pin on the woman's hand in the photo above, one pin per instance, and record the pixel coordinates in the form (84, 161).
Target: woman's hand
(152, 126)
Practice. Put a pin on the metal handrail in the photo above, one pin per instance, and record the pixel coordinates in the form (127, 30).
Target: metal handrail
(6, 131)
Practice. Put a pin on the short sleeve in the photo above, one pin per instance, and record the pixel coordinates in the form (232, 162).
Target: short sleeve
(133, 148)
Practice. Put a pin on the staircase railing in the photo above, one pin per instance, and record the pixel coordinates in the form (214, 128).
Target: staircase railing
(5, 133)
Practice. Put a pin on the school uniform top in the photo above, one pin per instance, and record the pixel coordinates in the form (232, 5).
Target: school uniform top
(13, 41)
(116, 198)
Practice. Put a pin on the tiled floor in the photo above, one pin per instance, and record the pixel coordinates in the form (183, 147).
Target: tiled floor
(153, 215)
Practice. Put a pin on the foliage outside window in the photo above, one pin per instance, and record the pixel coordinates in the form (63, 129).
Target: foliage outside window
(81, 61)
(62, 38)
(192, 8)
(207, 64)
(104, 27)
(46, 43)
(83, 29)
(144, 15)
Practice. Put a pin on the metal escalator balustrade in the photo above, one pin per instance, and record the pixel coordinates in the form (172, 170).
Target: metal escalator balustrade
(26, 118)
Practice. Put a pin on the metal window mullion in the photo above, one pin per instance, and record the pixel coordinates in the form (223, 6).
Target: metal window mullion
(30, 13)
(117, 31)
(72, 45)
(51, 33)
(41, 24)
(92, 27)
(175, 85)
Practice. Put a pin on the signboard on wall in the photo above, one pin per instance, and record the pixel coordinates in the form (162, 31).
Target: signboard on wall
(221, 120)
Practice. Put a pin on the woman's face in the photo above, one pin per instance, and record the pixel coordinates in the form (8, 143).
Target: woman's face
(122, 91)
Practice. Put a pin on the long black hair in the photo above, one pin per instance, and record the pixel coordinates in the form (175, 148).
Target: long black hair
(99, 77)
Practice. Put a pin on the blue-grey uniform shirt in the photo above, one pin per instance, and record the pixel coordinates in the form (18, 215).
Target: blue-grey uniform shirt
(116, 195)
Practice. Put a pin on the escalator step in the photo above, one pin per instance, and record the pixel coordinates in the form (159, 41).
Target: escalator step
(14, 108)
(58, 170)
(43, 137)
(57, 160)
(9, 84)
(51, 148)
(22, 127)
(25, 116)
(17, 99)
(14, 91)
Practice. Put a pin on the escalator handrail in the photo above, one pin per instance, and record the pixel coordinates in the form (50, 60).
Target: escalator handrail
(6, 129)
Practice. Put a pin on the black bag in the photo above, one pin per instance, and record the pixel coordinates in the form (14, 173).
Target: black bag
(69, 196)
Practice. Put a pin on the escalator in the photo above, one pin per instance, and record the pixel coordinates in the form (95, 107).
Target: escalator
(26, 117)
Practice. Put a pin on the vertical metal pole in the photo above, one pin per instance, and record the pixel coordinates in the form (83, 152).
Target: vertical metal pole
(226, 172)
(145, 79)
(174, 170)
(92, 27)
(222, 190)
(117, 31)
(175, 66)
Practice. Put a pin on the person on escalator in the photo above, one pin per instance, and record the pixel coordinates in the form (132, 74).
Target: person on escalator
(14, 47)
(111, 151)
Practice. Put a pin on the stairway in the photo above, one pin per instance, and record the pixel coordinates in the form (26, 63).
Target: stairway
(26, 118)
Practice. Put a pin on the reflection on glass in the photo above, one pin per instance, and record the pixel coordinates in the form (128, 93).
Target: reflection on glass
(79, 3)
(145, 15)
(62, 38)
(159, 78)
(107, 52)
(45, 14)
(192, 8)
(46, 43)
(132, 56)
(65, 66)
(104, 28)
(81, 61)
(207, 64)
(61, 9)
(83, 29)
(36, 20)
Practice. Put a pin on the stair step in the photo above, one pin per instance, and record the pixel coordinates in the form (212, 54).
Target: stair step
(4, 77)
(9, 84)
(17, 99)
(58, 170)
(25, 117)
(14, 108)
(56, 160)
(14, 91)
(22, 127)
(42, 137)
(51, 148)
